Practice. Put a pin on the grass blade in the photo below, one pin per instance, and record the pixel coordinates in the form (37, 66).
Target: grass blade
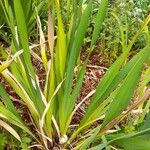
(122, 98)
(10, 130)
(6, 64)
(80, 34)
(99, 20)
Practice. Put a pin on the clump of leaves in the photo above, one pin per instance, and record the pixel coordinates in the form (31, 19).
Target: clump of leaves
(53, 107)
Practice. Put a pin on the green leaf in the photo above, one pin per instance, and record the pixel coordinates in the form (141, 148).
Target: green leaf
(7, 101)
(89, 140)
(123, 97)
(137, 143)
(10, 129)
(104, 84)
(9, 116)
(61, 49)
(99, 20)
(7, 63)
(22, 28)
(79, 39)
(3, 141)
(147, 120)
(75, 92)
(122, 137)
(109, 82)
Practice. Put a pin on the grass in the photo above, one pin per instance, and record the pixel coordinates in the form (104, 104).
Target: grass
(52, 109)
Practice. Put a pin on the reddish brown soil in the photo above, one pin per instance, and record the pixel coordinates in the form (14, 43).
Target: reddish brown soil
(91, 79)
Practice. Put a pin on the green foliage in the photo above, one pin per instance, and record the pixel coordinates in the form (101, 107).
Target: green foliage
(53, 106)
(8, 141)
(123, 21)
(2, 141)
(28, 7)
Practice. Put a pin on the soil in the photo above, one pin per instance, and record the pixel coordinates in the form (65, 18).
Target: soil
(92, 77)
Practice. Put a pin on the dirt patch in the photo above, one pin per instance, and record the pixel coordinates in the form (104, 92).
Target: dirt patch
(94, 73)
